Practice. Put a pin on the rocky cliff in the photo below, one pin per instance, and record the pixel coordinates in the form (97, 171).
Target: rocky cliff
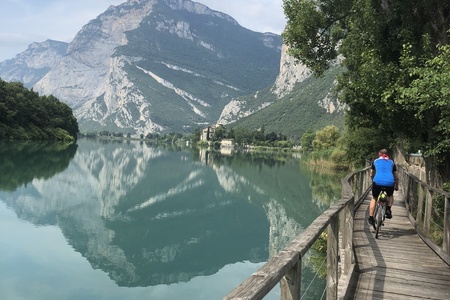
(297, 101)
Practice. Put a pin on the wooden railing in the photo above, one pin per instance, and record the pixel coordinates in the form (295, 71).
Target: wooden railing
(286, 266)
(429, 211)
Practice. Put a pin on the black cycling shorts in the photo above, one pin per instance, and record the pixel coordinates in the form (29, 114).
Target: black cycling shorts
(376, 189)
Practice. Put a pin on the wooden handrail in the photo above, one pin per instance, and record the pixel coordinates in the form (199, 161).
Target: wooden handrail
(420, 198)
(285, 266)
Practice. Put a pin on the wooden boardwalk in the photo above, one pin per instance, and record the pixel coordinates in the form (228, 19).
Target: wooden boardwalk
(398, 265)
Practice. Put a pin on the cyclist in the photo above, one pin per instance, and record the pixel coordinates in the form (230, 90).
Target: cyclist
(384, 176)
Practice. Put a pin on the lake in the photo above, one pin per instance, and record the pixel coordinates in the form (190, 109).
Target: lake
(107, 219)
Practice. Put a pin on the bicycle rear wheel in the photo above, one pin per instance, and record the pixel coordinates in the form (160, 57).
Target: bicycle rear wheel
(378, 219)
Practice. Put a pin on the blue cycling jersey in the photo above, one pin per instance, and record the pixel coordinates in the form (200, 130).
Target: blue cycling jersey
(384, 172)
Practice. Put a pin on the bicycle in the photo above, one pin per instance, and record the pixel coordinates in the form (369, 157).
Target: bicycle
(380, 212)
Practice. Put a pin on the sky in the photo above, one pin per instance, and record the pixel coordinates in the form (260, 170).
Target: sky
(23, 22)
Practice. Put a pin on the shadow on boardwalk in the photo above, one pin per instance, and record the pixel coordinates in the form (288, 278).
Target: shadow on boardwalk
(398, 265)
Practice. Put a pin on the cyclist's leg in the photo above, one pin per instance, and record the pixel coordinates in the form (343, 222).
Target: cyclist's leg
(390, 201)
(390, 194)
(375, 192)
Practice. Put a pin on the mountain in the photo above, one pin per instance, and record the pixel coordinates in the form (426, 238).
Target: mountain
(34, 63)
(295, 103)
(151, 66)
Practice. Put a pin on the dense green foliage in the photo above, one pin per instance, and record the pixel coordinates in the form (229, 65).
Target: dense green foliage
(397, 68)
(25, 115)
(326, 138)
(323, 148)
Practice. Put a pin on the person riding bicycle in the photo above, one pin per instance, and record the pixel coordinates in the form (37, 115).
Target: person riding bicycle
(384, 177)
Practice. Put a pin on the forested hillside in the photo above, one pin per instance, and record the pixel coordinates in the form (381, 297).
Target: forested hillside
(24, 115)
(297, 112)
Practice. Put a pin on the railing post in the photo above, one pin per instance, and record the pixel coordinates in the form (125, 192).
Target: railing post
(428, 209)
(420, 204)
(291, 283)
(408, 192)
(354, 182)
(332, 258)
(348, 236)
(362, 178)
(447, 226)
(368, 179)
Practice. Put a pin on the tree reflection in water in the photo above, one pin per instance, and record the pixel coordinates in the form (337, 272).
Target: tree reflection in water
(21, 162)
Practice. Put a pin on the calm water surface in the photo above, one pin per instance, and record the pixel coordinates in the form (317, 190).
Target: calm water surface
(128, 220)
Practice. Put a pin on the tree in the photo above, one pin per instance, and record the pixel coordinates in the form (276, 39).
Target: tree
(314, 29)
(326, 138)
(196, 136)
(307, 139)
(371, 38)
(219, 133)
(427, 96)
(242, 136)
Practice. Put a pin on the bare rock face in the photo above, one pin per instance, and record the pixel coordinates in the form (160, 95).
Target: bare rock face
(83, 73)
(291, 74)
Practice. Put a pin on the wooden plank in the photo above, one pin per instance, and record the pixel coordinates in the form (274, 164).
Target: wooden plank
(382, 283)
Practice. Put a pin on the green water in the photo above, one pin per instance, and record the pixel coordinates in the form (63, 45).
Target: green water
(128, 220)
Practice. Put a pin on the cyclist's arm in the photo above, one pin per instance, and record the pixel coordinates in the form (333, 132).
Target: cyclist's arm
(372, 171)
(395, 177)
(396, 180)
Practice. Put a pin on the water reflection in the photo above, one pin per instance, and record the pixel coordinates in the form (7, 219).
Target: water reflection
(325, 183)
(148, 216)
(20, 162)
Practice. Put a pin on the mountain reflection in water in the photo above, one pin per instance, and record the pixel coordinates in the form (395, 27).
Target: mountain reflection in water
(149, 216)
